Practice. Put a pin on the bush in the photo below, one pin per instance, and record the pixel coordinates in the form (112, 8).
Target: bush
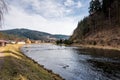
(67, 42)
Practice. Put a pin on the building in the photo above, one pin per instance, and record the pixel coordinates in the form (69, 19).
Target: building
(21, 42)
(28, 41)
(3, 43)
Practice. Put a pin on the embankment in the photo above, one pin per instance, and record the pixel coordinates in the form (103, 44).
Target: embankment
(95, 47)
(103, 39)
(17, 66)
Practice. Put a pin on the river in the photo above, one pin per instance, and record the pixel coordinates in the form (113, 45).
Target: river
(75, 63)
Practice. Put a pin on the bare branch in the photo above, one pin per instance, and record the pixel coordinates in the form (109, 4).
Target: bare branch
(3, 9)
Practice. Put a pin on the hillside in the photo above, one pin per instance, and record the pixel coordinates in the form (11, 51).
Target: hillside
(32, 34)
(4, 36)
(59, 36)
(101, 27)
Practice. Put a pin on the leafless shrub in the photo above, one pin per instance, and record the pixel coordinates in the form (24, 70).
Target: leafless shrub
(3, 9)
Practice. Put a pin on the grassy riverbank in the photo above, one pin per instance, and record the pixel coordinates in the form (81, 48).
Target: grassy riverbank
(96, 47)
(17, 66)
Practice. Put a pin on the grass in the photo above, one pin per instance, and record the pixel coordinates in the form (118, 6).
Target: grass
(19, 67)
(96, 47)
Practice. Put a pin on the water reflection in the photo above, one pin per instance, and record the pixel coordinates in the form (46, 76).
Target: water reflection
(76, 63)
(105, 61)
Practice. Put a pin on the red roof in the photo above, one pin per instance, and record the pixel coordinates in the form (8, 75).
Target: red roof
(3, 41)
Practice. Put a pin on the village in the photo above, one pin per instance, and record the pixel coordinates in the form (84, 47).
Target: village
(27, 41)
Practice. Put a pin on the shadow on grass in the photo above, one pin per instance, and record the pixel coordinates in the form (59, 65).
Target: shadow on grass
(17, 53)
(24, 69)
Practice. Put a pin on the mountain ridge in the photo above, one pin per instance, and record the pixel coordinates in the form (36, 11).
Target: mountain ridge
(33, 34)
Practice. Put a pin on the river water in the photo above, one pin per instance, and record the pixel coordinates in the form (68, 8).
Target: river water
(73, 63)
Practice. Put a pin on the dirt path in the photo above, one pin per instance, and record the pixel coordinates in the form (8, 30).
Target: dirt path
(1, 59)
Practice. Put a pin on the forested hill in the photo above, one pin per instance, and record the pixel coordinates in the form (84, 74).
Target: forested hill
(102, 26)
(32, 34)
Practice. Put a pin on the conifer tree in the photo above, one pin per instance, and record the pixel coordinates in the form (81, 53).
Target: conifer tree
(95, 6)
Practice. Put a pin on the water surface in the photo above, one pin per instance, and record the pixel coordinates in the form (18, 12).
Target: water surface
(74, 63)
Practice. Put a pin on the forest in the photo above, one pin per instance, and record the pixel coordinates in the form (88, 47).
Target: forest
(101, 26)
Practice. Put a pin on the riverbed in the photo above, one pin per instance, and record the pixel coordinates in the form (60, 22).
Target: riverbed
(76, 63)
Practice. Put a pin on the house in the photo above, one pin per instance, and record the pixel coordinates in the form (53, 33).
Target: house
(21, 42)
(28, 41)
(12, 42)
(3, 43)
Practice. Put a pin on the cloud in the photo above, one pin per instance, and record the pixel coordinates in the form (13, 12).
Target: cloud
(48, 8)
(72, 3)
(20, 19)
(79, 4)
(53, 16)
(69, 3)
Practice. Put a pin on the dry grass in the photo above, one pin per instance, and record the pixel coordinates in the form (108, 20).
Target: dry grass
(96, 46)
(19, 67)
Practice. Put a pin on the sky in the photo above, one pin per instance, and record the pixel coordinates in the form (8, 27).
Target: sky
(52, 16)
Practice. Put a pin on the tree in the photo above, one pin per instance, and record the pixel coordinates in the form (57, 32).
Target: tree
(91, 8)
(95, 6)
(106, 5)
(3, 9)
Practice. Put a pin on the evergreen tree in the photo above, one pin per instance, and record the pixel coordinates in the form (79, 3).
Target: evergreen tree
(106, 5)
(91, 8)
(95, 6)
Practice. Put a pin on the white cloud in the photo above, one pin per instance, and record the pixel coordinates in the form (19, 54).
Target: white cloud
(79, 4)
(43, 15)
(72, 3)
(18, 18)
(47, 8)
(69, 3)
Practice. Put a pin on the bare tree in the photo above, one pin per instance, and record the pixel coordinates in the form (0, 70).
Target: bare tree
(3, 9)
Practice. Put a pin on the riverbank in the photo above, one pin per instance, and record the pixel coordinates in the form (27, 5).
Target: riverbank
(96, 47)
(17, 66)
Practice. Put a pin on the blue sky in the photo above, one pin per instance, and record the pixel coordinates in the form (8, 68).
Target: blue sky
(52, 16)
